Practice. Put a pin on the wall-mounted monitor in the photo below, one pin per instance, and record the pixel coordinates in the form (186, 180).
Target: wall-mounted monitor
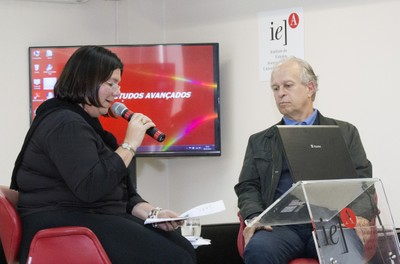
(176, 85)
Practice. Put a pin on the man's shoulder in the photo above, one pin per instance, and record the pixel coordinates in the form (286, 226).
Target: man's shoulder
(345, 127)
(333, 121)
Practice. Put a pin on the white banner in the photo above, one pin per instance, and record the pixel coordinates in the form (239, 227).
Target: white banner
(281, 34)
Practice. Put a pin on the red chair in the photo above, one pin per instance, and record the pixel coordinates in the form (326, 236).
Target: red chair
(240, 246)
(61, 245)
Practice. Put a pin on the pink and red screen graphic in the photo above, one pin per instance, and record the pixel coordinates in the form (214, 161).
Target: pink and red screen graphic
(176, 85)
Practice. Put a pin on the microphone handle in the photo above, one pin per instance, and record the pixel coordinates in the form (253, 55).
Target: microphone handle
(127, 114)
(156, 134)
(152, 131)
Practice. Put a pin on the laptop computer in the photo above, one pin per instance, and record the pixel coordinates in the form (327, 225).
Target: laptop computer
(316, 153)
(312, 153)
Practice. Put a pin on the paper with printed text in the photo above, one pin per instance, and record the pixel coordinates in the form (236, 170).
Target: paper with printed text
(200, 210)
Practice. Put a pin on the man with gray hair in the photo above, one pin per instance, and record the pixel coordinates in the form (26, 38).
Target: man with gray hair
(265, 174)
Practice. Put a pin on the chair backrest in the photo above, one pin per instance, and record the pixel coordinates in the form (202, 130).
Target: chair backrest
(71, 244)
(240, 238)
(10, 225)
(371, 245)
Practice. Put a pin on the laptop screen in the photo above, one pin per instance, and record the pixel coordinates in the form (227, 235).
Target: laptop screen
(316, 153)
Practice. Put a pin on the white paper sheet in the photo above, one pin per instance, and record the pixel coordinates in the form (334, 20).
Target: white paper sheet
(199, 241)
(201, 210)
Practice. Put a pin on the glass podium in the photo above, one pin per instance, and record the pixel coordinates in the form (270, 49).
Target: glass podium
(351, 219)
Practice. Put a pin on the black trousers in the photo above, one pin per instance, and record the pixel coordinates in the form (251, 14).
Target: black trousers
(124, 237)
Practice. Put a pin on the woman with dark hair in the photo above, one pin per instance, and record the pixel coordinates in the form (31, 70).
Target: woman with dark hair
(71, 172)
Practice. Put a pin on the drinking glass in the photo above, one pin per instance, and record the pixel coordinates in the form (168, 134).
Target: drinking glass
(191, 228)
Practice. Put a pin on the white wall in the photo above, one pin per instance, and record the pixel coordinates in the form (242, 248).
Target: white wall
(351, 44)
(353, 47)
(24, 24)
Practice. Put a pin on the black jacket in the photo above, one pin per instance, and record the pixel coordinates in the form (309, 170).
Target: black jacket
(67, 165)
(263, 160)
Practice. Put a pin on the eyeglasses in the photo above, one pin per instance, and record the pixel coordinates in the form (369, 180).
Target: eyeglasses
(114, 87)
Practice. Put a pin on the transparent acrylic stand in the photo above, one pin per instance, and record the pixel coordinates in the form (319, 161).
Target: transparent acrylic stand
(351, 219)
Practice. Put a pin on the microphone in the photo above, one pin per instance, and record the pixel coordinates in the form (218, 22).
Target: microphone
(121, 110)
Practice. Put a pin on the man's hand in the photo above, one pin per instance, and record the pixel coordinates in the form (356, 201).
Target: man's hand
(248, 232)
(363, 229)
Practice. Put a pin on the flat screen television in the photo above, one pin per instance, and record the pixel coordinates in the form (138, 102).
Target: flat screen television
(176, 85)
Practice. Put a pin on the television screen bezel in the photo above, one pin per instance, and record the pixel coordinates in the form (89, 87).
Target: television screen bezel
(217, 108)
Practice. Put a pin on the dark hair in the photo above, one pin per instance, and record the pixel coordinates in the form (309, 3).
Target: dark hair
(83, 74)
